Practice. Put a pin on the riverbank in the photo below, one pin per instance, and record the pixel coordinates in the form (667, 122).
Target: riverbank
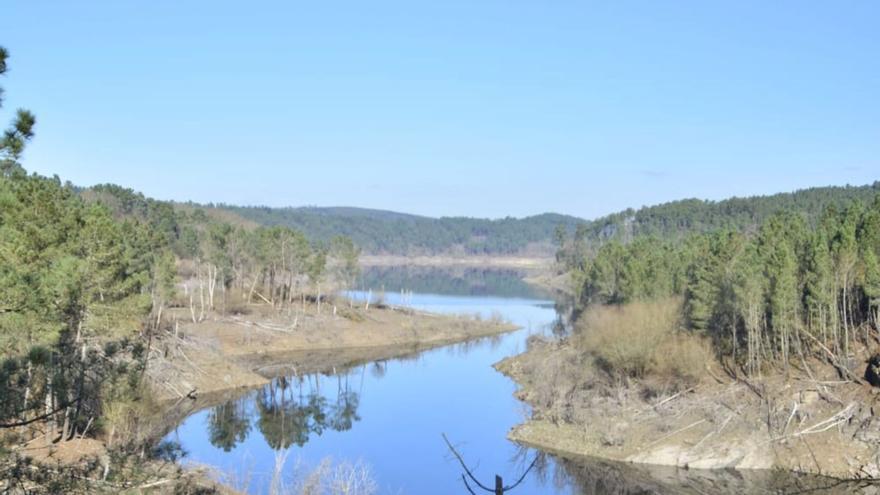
(215, 360)
(228, 352)
(812, 423)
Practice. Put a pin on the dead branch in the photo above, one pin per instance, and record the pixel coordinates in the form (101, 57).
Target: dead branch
(499, 489)
(841, 368)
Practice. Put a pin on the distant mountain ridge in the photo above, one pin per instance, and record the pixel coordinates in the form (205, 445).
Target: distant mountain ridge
(390, 232)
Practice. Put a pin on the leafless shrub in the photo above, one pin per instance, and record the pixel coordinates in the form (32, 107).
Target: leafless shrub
(311, 484)
(497, 318)
(327, 478)
(641, 339)
(683, 357)
(351, 479)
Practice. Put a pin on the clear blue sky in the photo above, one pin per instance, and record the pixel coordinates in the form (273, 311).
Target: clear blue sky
(470, 107)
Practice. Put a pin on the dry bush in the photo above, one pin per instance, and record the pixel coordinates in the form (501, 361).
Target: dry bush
(683, 357)
(640, 339)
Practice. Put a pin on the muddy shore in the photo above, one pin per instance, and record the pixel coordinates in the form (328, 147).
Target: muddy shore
(815, 424)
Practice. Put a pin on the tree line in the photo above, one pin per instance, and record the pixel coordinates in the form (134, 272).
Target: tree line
(677, 220)
(793, 285)
(386, 232)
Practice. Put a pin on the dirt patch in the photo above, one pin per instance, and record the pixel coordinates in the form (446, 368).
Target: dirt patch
(812, 422)
(67, 452)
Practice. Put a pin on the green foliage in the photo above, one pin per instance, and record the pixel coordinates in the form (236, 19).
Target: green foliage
(679, 220)
(70, 277)
(16, 136)
(272, 258)
(385, 232)
(346, 253)
(761, 295)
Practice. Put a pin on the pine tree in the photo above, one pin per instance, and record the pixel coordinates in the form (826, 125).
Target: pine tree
(16, 136)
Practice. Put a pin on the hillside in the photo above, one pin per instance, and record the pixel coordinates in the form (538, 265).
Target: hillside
(388, 232)
(678, 218)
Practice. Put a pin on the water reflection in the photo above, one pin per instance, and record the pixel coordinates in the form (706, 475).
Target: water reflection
(456, 281)
(491, 342)
(288, 412)
(589, 476)
(229, 424)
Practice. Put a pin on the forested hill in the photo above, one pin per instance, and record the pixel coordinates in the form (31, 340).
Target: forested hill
(679, 218)
(386, 232)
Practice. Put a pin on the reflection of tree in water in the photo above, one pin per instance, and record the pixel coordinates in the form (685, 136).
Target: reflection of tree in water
(378, 369)
(345, 410)
(290, 414)
(228, 424)
(464, 348)
(562, 325)
(450, 281)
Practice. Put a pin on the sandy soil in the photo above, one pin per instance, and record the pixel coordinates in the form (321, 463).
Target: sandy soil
(817, 424)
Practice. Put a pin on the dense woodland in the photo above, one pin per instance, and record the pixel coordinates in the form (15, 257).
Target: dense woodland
(385, 232)
(681, 218)
(798, 283)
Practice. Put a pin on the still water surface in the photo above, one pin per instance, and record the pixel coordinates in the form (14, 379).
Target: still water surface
(390, 415)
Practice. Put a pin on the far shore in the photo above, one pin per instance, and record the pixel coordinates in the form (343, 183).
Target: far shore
(517, 262)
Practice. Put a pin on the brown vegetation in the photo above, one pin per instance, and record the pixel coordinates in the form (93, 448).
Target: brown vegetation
(641, 340)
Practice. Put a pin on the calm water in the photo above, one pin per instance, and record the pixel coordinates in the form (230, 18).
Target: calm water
(390, 415)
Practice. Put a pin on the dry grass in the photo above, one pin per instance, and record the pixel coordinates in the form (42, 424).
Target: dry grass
(642, 339)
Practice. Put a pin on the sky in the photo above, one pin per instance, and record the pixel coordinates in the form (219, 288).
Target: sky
(475, 108)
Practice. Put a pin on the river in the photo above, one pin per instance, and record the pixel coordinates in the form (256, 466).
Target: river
(388, 417)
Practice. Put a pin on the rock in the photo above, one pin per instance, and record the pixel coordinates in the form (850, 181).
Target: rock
(745, 455)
